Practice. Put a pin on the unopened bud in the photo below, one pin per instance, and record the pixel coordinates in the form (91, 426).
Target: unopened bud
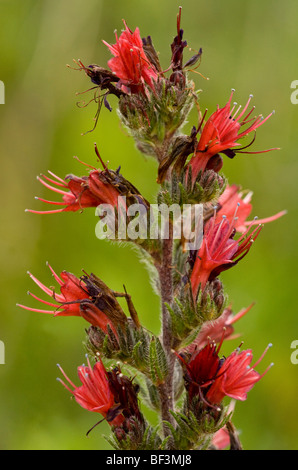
(219, 301)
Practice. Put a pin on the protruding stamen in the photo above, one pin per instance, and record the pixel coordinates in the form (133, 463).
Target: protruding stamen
(262, 355)
(56, 190)
(56, 203)
(267, 219)
(60, 182)
(245, 108)
(66, 377)
(41, 285)
(55, 274)
(50, 312)
(42, 301)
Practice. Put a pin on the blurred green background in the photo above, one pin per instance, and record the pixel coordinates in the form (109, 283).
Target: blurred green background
(250, 46)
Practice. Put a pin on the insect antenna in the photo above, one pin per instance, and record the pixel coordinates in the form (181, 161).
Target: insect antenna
(94, 426)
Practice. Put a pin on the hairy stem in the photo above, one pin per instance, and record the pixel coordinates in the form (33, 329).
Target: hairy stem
(166, 289)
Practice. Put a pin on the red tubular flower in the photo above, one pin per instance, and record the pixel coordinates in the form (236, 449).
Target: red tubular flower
(79, 192)
(109, 393)
(219, 251)
(130, 63)
(95, 394)
(237, 377)
(221, 134)
(79, 298)
(233, 197)
(211, 378)
(68, 301)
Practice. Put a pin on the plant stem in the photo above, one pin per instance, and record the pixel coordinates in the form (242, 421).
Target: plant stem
(166, 289)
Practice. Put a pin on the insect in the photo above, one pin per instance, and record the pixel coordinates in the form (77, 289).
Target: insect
(104, 80)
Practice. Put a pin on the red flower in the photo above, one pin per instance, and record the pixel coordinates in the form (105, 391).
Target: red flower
(130, 63)
(95, 394)
(236, 378)
(109, 393)
(211, 378)
(68, 301)
(79, 192)
(219, 251)
(221, 134)
(200, 370)
(232, 197)
(79, 298)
